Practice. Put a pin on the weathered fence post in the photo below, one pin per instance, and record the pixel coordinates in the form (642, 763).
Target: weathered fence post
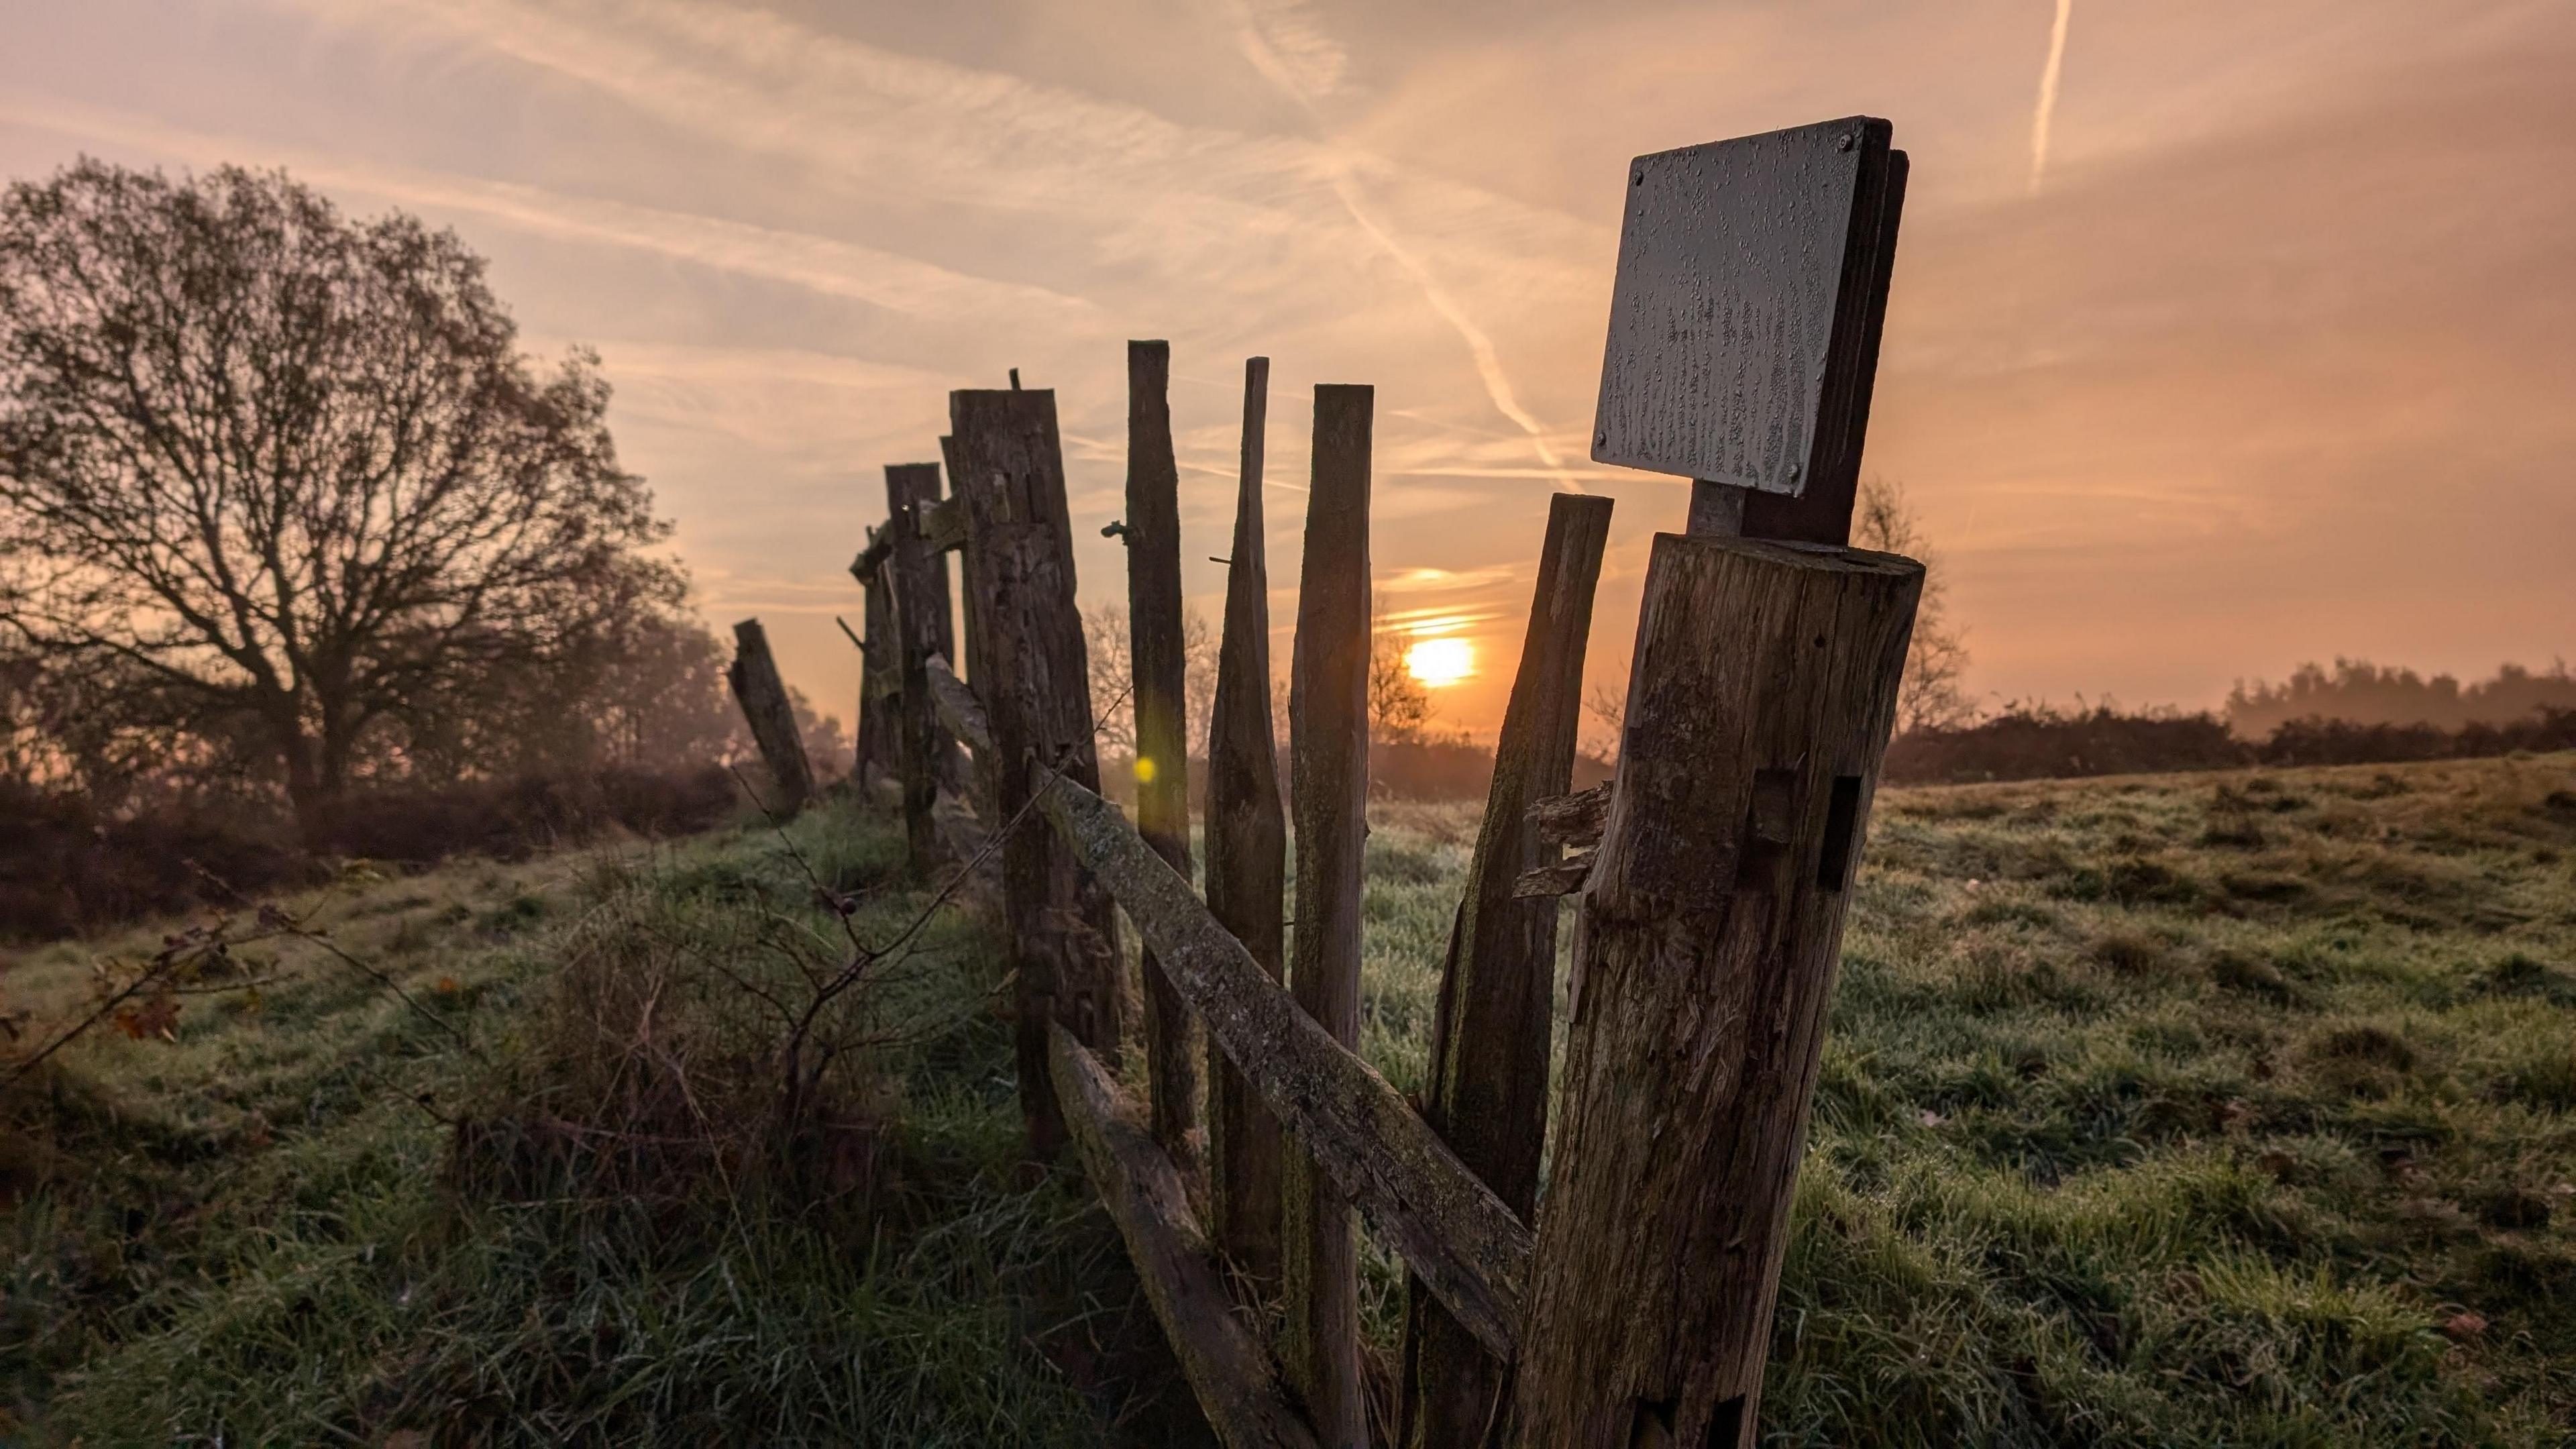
(1032, 675)
(1328, 775)
(765, 707)
(1247, 856)
(880, 680)
(1764, 688)
(1487, 1094)
(917, 586)
(1160, 664)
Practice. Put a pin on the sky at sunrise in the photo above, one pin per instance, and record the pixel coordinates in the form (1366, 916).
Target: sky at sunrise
(2258, 345)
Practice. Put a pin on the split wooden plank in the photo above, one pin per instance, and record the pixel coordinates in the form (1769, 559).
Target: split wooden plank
(1247, 860)
(958, 708)
(1449, 1228)
(1228, 1368)
(1159, 661)
(1486, 1093)
(1574, 819)
(1766, 685)
(943, 525)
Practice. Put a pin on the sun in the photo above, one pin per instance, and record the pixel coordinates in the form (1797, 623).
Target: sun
(1439, 663)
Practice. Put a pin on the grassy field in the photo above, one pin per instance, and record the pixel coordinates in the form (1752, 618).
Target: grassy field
(2190, 1109)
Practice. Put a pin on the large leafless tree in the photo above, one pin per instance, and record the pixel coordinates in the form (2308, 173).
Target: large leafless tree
(267, 471)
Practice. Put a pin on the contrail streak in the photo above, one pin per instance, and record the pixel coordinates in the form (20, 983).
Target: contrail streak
(1257, 48)
(1489, 363)
(2047, 107)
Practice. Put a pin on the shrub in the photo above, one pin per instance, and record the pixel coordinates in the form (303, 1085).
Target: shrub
(67, 868)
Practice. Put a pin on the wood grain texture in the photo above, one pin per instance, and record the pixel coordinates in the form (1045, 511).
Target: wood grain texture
(916, 577)
(762, 695)
(1226, 1366)
(1442, 1220)
(1032, 676)
(1486, 1093)
(1764, 687)
(1328, 793)
(1160, 661)
(1247, 861)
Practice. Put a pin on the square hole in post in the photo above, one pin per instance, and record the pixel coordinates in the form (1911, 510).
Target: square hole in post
(1842, 831)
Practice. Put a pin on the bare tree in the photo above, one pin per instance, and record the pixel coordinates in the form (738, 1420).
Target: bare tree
(264, 468)
(1933, 694)
(1113, 712)
(1399, 707)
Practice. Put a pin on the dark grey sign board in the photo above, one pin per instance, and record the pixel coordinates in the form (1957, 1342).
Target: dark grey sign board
(1744, 323)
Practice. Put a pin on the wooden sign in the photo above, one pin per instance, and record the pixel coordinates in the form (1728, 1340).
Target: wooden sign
(1745, 319)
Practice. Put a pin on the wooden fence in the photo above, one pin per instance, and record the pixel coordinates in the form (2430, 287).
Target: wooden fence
(1630, 1304)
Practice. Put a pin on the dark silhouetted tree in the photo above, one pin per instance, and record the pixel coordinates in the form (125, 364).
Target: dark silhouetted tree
(1399, 706)
(269, 471)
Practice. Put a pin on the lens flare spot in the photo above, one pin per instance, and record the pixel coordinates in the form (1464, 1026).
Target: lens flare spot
(1438, 663)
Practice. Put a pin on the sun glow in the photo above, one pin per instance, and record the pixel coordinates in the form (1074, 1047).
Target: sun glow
(1439, 663)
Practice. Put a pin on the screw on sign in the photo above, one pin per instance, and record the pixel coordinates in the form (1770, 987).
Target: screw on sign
(1743, 340)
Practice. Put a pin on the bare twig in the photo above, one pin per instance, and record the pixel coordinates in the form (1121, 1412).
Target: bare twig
(160, 970)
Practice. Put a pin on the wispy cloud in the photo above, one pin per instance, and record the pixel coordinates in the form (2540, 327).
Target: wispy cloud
(821, 264)
(1285, 41)
(1259, 26)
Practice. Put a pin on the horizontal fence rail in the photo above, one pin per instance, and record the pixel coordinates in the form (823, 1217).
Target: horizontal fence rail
(1227, 1367)
(1469, 1249)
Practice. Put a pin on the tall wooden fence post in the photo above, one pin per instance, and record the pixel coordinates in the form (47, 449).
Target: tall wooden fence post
(1032, 675)
(1758, 713)
(917, 586)
(1328, 750)
(1487, 1095)
(1160, 664)
(1247, 857)
(765, 707)
(880, 688)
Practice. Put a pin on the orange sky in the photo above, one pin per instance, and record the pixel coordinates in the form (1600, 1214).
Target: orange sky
(2273, 365)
